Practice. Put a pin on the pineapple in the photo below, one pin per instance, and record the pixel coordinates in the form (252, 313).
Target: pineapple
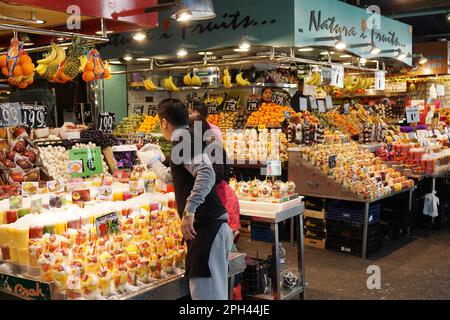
(51, 70)
(73, 63)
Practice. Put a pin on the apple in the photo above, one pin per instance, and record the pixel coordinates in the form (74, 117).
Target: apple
(10, 155)
(2, 133)
(4, 146)
(17, 177)
(8, 163)
(30, 155)
(18, 131)
(24, 164)
(19, 147)
(2, 156)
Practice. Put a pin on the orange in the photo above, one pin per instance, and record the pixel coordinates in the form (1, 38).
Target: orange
(18, 71)
(25, 59)
(89, 66)
(88, 76)
(12, 81)
(5, 71)
(106, 74)
(98, 70)
(22, 85)
(30, 81)
(64, 76)
(2, 61)
(27, 68)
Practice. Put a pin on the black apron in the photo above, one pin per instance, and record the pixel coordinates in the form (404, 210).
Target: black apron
(206, 223)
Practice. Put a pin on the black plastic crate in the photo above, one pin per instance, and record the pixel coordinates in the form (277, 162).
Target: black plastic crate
(351, 246)
(351, 211)
(313, 223)
(352, 229)
(260, 231)
(315, 234)
(253, 275)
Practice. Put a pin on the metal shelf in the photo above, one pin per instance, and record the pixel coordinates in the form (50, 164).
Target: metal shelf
(222, 87)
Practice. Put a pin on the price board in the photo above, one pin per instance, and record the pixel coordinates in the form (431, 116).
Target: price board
(106, 121)
(252, 105)
(152, 110)
(138, 109)
(83, 113)
(321, 106)
(329, 102)
(107, 224)
(303, 104)
(326, 76)
(85, 162)
(412, 114)
(332, 161)
(280, 97)
(313, 102)
(10, 114)
(213, 108)
(34, 116)
(230, 105)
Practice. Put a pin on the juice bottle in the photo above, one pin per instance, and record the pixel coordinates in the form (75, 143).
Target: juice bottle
(11, 216)
(117, 196)
(60, 227)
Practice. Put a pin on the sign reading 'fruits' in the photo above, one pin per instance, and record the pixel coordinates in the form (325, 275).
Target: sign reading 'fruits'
(85, 162)
(107, 224)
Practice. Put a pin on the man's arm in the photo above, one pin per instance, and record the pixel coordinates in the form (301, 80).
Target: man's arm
(205, 179)
(162, 172)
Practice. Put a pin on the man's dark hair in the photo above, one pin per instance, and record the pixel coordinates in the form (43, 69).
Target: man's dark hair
(174, 111)
(201, 108)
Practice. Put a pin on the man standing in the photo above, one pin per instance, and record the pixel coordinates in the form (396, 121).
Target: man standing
(204, 218)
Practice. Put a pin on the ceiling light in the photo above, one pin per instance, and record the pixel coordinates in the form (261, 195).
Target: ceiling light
(423, 60)
(139, 36)
(448, 16)
(340, 45)
(99, 33)
(128, 57)
(28, 44)
(207, 53)
(345, 56)
(241, 50)
(401, 55)
(363, 60)
(347, 63)
(143, 59)
(114, 62)
(39, 21)
(325, 53)
(244, 45)
(194, 10)
(182, 52)
(374, 50)
(305, 49)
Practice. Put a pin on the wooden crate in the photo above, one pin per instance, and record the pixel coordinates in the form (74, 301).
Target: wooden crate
(319, 244)
(315, 214)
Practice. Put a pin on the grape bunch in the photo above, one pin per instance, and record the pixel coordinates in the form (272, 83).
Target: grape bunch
(100, 138)
(126, 159)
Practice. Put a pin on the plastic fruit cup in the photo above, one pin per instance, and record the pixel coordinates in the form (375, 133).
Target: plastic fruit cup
(11, 216)
(118, 196)
(126, 195)
(23, 212)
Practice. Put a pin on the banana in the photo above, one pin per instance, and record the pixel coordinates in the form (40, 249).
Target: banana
(40, 69)
(19, 79)
(49, 57)
(348, 81)
(169, 85)
(187, 80)
(26, 79)
(195, 80)
(310, 79)
(149, 85)
(318, 79)
(241, 81)
(60, 57)
(227, 79)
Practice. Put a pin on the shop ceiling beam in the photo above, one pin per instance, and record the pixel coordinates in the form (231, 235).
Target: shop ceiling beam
(419, 13)
(51, 33)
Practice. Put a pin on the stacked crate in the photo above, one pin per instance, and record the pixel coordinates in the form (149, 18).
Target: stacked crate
(314, 223)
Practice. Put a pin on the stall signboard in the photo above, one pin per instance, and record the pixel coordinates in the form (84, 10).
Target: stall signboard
(284, 23)
(83, 113)
(396, 86)
(85, 162)
(322, 23)
(437, 54)
(25, 288)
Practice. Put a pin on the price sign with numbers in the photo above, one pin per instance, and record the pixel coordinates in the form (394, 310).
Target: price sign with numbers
(10, 114)
(321, 105)
(152, 110)
(138, 109)
(280, 97)
(213, 108)
(83, 113)
(107, 224)
(252, 105)
(230, 105)
(332, 161)
(34, 116)
(106, 121)
(303, 104)
(273, 168)
(313, 103)
(412, 114)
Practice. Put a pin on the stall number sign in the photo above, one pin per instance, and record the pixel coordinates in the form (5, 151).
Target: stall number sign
(25, 288)
(107, 224)
(85, 162)
(230, 105)
(106, 121)
(337, 76)
(273, 168)
(412, 114)
(332, 161)
(380, 81)
(33, 115)
(83, 113)
(280, 97)
(252, 105)
(138, 109)
(152, 110)
(213, 108)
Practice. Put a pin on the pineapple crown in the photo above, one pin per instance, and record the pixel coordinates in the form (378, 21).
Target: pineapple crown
(78, 47)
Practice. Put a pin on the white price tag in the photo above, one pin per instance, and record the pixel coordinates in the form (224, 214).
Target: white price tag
(313, 103)
(321, 105)
(273, 168)
(346, 108)
(380, 81)
(440, 89)
(412, 114)
(303, 104)
(329, 102)
(337, 76)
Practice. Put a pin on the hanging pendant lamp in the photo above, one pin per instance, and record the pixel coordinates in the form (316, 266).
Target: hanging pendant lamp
(194, 10)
